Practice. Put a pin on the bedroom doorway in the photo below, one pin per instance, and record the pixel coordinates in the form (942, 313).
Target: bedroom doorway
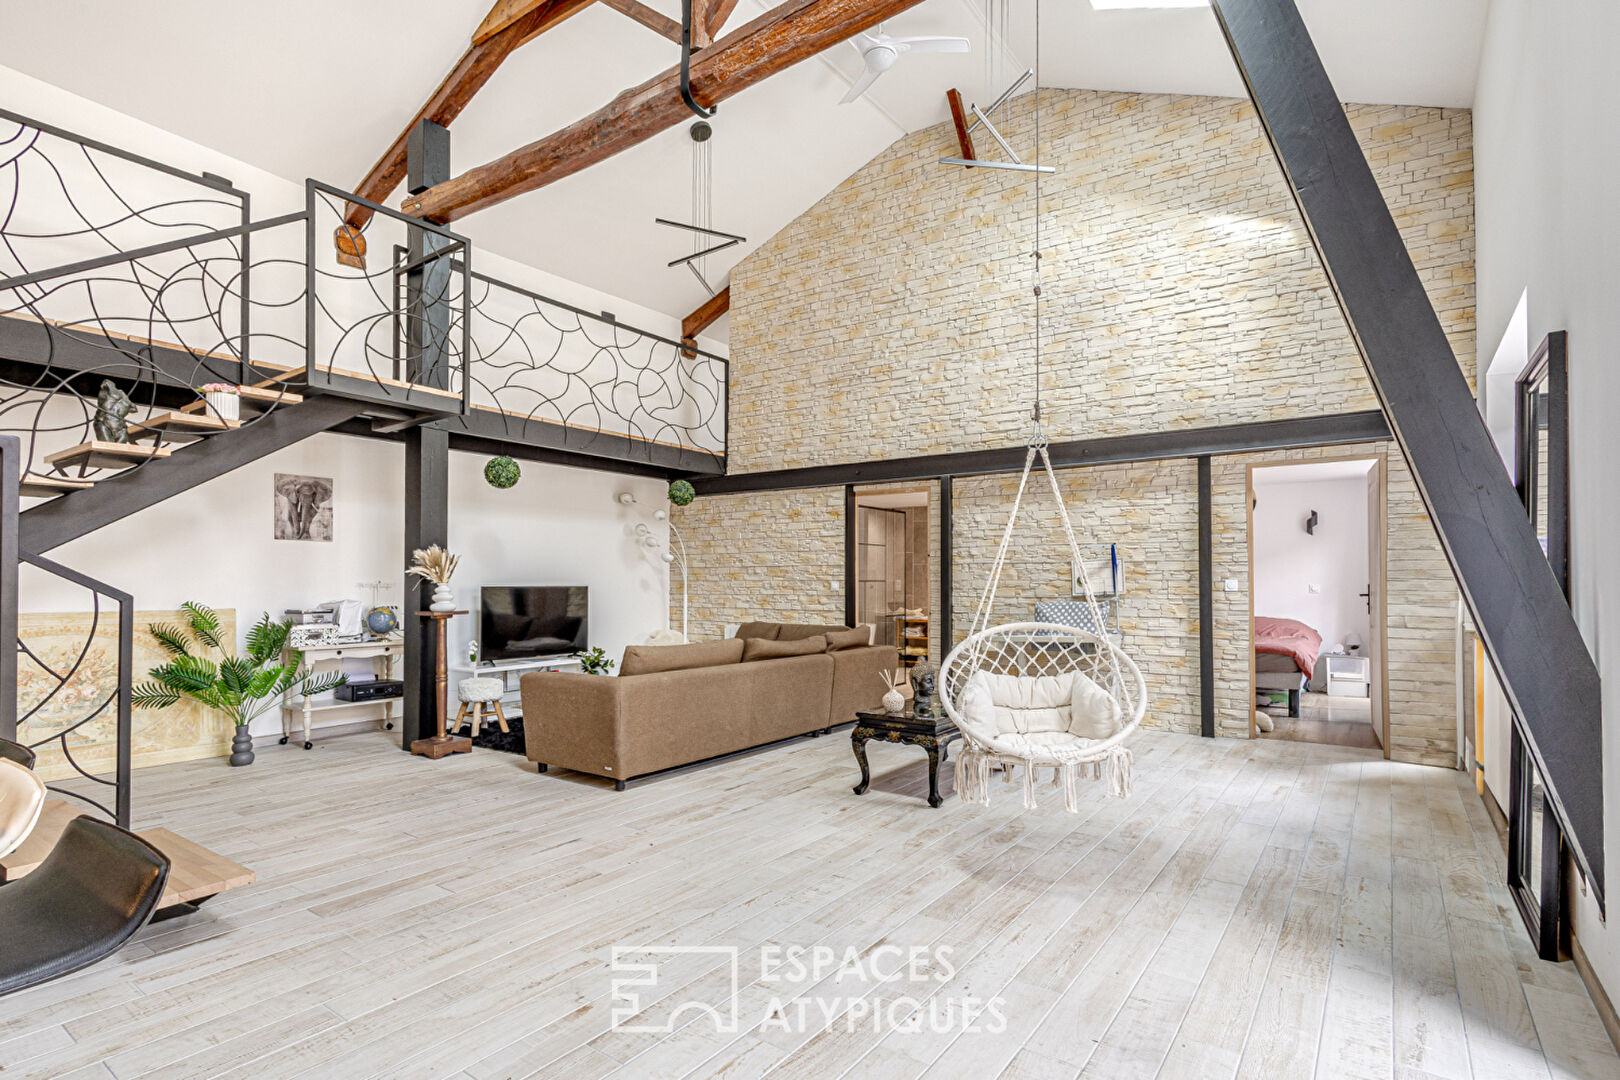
(1317, 617)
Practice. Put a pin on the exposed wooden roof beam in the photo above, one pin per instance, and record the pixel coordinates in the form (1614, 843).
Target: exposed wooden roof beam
(646, 16)
(706, 315)
(964, 137)
(509, 24)
(718, 12)
(757, 50)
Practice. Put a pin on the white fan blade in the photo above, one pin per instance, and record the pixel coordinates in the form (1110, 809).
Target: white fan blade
(861, 86)
(933, 44)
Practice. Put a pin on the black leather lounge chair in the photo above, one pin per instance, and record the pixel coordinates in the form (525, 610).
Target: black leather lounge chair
(17, 752)
(93, 892)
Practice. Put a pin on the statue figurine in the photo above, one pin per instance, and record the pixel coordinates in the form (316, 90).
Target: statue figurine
(924, 679)
(112, 406)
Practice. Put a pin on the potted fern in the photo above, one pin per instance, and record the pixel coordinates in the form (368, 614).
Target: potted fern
(243, 687)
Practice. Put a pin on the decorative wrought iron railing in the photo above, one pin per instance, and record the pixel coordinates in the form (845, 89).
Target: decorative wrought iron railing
(64, 700)
(115, 267)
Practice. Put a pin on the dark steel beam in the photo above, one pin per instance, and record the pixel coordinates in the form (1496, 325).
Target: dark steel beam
(68, 517)
(1528, 630)
(579, 444)
(427, 522)
(1306, 431)
(1206, 600)
(946, 543)
(40, 345)
(851, 549)
(10, 471)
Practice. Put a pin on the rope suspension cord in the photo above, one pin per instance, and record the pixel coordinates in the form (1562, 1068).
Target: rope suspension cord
(1039, 436)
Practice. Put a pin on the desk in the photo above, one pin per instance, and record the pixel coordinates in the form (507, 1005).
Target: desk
(315, 657)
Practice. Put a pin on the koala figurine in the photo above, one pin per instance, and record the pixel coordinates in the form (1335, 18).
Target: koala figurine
(112, 406)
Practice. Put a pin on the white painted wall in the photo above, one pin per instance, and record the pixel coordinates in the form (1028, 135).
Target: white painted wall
(1288, 561)
(1546, 152)
(558, 526)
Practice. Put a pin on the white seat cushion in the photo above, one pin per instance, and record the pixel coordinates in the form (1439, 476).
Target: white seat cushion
(1012, 703)
(22, 796)
(1094, 713)
(480, 689)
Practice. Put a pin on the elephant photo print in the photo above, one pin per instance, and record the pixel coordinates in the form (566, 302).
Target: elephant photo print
(303, 507)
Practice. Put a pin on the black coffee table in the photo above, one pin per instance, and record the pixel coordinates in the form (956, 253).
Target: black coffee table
(931, 733)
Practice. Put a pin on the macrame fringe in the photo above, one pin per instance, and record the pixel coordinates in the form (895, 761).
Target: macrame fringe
(973, 775)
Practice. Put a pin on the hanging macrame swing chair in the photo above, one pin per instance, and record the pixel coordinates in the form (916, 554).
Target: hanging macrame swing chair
(1041, 695)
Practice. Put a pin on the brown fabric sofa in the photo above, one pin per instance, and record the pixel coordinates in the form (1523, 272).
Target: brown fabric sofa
(673, 714)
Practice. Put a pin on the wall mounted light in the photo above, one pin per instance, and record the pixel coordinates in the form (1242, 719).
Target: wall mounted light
(626, 498)
(1310, 523)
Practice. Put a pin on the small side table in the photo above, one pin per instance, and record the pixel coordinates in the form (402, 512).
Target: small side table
(437, 746)
(929, 732)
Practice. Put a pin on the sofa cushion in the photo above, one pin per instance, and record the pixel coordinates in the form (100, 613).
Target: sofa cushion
(847, 639)
(651, 659)
(765, 631)
(798, 631)
(761, 649)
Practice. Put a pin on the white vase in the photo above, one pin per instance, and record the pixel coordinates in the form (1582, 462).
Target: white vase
(443, 599)
(226, 406)
(894, 702)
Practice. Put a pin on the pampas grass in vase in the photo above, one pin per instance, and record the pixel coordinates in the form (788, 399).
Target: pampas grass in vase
(436, 565)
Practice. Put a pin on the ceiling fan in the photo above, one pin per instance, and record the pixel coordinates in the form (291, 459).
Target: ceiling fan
(880, 51)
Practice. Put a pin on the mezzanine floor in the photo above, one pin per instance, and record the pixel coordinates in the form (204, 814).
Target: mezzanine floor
(1256, 908)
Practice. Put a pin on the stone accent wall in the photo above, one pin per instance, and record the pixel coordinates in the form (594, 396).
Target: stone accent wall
(771, 557)
(893, 317)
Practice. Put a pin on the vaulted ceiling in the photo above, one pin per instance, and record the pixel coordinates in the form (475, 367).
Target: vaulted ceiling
(305, 88)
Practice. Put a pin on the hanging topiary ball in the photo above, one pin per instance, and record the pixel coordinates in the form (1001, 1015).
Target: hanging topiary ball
(502, 472)
(681, 493)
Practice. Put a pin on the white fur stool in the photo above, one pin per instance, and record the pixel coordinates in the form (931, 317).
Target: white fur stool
(477, 693)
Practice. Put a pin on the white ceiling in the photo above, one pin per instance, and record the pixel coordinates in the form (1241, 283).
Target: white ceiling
(317, 88)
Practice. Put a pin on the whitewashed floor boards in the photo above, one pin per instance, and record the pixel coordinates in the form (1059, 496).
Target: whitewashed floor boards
(1255, 909)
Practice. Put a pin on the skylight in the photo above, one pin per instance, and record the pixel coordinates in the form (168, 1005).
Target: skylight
(1132, 5)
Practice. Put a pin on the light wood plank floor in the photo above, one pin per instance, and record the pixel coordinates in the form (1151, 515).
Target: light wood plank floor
(1338, 721)
(1256, 908)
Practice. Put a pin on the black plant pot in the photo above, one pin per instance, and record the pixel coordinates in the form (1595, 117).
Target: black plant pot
(242, 747)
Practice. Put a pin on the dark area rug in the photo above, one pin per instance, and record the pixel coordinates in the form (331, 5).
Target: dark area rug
(491, 737)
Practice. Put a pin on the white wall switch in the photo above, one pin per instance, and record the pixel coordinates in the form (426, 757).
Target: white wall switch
(1313, 589)
(1231, 584)
(836, 584)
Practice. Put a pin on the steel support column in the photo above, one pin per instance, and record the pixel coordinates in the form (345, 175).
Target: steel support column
(1523, 618)
(1206, 600)
(10, 471)
(946, 543)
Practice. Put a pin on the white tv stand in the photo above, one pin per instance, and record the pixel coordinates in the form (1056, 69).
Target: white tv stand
(511, 672)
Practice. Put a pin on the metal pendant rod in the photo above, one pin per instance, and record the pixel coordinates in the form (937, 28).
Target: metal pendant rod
(1002, 100)
(996, 135)
(1007, 165)
(700, 229)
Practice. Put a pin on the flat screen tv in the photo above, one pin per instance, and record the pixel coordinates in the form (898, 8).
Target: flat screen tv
(531, 622)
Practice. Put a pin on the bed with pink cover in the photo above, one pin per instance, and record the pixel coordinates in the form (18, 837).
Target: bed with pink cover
(1285, 652)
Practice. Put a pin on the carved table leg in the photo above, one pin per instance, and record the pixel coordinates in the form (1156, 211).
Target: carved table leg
(933, 776)
(858, 741)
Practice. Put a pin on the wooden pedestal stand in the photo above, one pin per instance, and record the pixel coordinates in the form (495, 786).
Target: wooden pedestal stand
(439, 745)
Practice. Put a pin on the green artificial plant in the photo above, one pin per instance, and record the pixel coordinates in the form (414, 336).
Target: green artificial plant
(595, 662)
(202, 668)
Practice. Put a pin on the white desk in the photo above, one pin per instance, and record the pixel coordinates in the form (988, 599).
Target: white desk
(330, 656)
(511, 672)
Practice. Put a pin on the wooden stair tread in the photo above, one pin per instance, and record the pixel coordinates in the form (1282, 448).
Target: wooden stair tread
(195, 872)
(180, 423)
(103, 455)
(252, 395)
(45, 486)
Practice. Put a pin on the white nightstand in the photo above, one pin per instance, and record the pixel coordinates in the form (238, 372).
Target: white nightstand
(1349, 676)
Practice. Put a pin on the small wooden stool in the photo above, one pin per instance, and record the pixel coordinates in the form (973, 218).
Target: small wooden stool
(477, 693)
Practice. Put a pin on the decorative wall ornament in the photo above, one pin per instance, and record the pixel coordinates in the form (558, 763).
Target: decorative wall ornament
(303, 507)
(502, 472)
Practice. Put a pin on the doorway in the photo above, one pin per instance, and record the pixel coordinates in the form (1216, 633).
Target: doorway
(892, 572)
(1316, 596)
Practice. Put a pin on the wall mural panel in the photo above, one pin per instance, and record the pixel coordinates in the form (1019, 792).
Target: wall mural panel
(59, 640)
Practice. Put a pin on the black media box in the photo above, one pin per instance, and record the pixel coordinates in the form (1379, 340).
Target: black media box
(370, 691)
